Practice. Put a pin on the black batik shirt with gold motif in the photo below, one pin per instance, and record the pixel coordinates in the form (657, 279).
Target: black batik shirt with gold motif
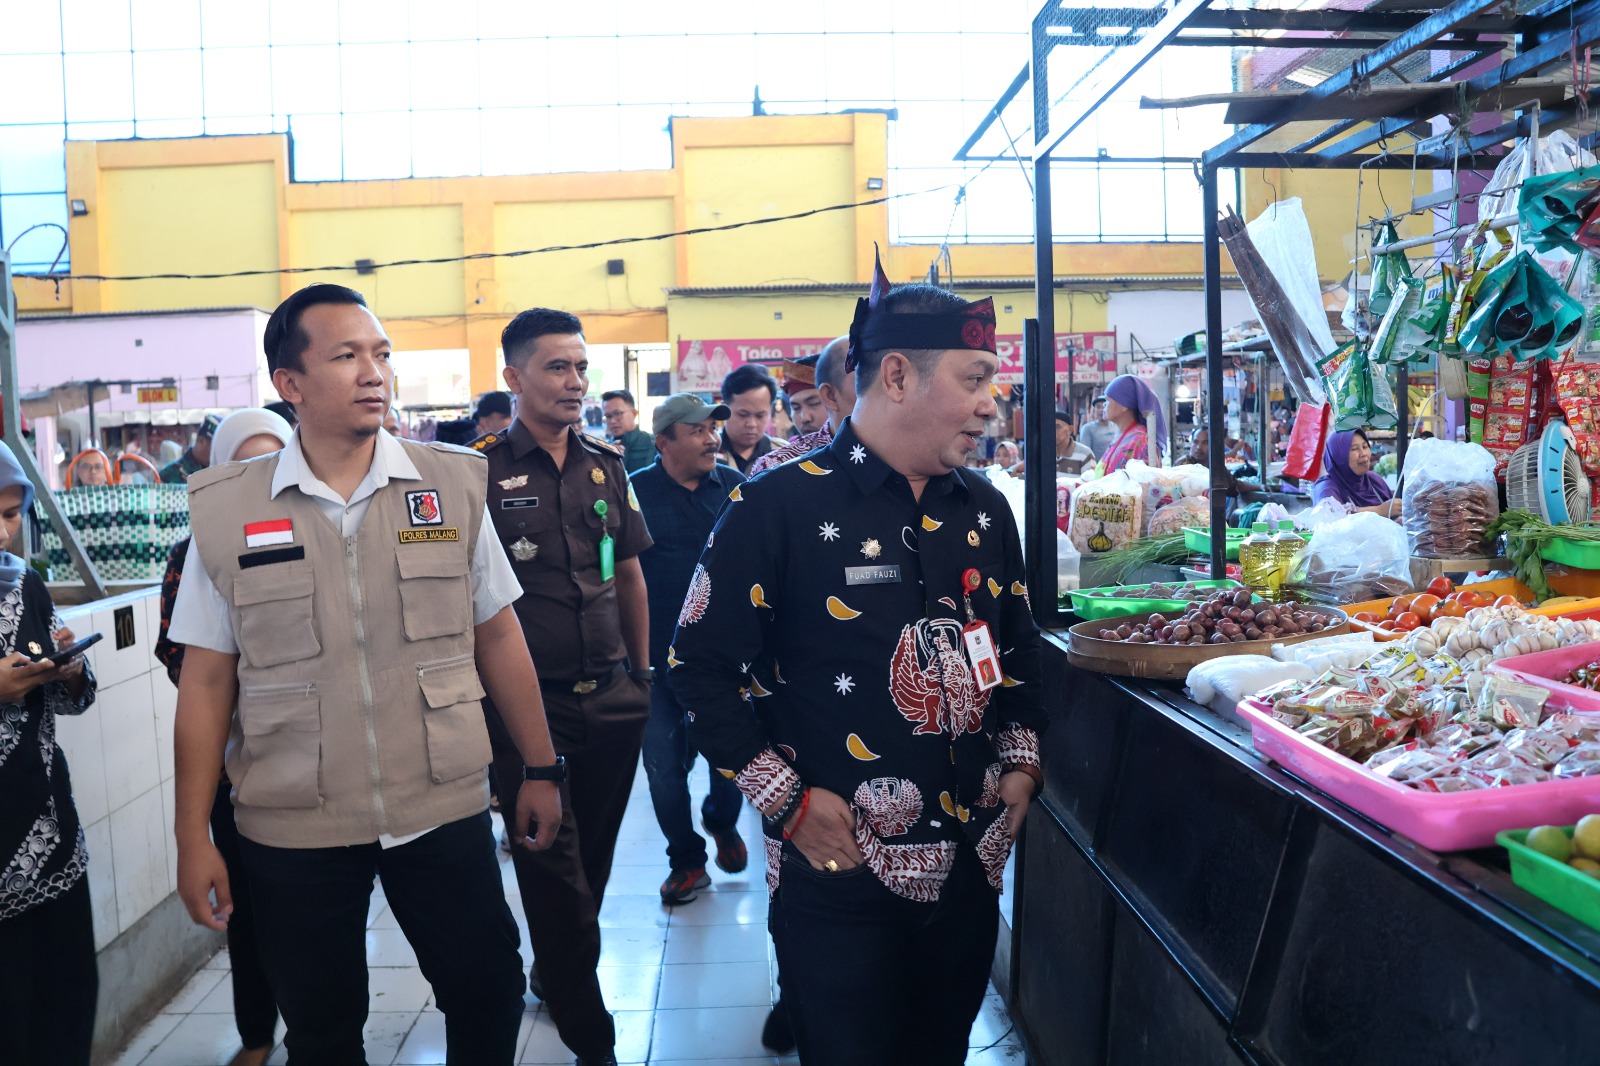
(547, 522)
(820, 641)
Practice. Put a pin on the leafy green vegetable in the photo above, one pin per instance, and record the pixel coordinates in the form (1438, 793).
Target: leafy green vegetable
(1169, 550)
(1526, 535)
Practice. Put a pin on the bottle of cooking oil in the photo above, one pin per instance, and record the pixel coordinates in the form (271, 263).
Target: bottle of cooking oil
(1287, 546)
(1258, 558)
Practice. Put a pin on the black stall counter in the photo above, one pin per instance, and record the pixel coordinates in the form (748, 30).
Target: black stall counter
(1182, 901)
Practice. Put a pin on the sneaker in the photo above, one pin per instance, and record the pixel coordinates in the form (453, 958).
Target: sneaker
(732, 855)
(778, 1035)
(682, 886)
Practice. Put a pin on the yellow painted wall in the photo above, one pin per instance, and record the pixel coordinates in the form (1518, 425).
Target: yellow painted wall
(188, 219)
(1330, 201)
(386, 234)
(577, 280)
(723, 185)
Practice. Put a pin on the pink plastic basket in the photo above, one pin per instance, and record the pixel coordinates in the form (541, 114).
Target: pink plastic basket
(1443, 821)
(1543, 668)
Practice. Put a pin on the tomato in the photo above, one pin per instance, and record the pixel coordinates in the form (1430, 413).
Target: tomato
(1387, 625)
(1508, 601)
(1401, 605)
(1449, 609)
(1369, 617)
(1441, 586)
(1407, 622)
(1471, 600)
(1424, 605)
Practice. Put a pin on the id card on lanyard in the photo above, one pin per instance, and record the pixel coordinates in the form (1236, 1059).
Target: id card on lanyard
(977, 639)
(608, 548)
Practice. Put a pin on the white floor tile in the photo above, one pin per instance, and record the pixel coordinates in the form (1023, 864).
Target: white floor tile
(147, 1039)
(640, 946)
(219, 1000)
(385, 920)
(993, 1025)
(717, 944)
(382, 1036)
(425, 1043)
(197, 1039)
(220, 961)
(397, 988)
(389, 947)
(698, 1034)
(623, 912)
(544, 1043)
(630, 987)
(194, 990)
(722, 908)
(716, 984)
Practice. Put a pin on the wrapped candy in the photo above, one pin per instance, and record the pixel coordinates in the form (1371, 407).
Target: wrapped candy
(1540, 747)
(1510, 703)
(1581, 761)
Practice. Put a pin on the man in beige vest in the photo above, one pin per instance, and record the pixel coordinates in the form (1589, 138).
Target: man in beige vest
(340, 602)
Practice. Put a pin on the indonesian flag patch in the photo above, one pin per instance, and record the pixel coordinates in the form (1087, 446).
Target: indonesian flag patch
(262, 534)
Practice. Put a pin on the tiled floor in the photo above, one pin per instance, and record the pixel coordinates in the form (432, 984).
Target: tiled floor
(687, 985)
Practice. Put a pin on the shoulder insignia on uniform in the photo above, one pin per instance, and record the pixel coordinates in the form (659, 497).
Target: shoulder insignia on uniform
(485, 441)
(601, 444)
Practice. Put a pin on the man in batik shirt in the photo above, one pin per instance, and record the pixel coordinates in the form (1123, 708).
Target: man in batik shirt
(858, 650)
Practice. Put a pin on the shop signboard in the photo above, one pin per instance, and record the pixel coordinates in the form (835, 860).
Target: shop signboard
(702, 364)
(168, 395)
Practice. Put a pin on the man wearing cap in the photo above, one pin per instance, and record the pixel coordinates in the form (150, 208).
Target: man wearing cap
(622, 426)
(493, 413)
(561, 506)
(680, 495)
(836, 395)
(1099, 433)
(195, 457)
(897, 750)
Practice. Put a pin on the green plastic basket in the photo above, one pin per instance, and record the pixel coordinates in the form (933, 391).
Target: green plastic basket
(1198, 541)
(1582, 554)
(1091, 604)
(1566, 889)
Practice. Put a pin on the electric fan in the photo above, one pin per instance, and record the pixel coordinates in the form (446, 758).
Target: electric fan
(1546, 478)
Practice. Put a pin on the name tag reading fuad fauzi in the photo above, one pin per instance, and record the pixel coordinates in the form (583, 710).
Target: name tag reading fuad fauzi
(419, 536)
(872, 575)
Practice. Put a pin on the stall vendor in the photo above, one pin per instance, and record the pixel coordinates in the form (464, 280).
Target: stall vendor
(1131, 405)
(1347, 476)
(1200, 455)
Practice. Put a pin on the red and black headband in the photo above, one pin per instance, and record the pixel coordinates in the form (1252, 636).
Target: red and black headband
(970, 328)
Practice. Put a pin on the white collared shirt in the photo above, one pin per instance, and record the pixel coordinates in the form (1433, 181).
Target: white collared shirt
(200, 616)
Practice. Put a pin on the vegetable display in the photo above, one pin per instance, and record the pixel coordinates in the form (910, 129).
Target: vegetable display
(1228, 617)
(1526, 535)
(1586, 676)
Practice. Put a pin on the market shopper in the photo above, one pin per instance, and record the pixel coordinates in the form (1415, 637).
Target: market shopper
(1133, 406)
(837, 391)
(563, 510)
(1099, 432)
(245, 434)
(801, 395)
(350, 592)
(493, 413)
(680, 495)
(1347, 476)
(48, 974)
(893, 776)
(1200, 455)
(621, 415)
(89, 468)
(748, 391)
(196, 457)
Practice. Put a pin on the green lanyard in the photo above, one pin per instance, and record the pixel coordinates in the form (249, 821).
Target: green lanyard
(608, 551)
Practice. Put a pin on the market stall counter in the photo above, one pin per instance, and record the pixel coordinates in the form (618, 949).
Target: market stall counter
(1182, 900)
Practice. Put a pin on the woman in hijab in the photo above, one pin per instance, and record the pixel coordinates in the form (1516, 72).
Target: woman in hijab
(1347, 476)
(49, 979)
(245, 434)
(1131, 405)
(89, 467)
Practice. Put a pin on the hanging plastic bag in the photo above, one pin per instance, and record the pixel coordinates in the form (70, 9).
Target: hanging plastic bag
(1383, 410)
(1388, 271)
(1303, 462)
(1450, 498)
(1398, 337)
(1346, 391)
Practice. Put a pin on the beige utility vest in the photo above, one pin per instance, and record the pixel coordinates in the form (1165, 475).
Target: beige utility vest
(358, 709)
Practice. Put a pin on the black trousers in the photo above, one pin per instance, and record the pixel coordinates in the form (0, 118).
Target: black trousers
(49, 981)
(255, 1011)
(562, 887)
(870, 977)
(444, 888)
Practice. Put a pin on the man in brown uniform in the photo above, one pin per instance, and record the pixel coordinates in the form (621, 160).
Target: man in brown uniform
(561, 506)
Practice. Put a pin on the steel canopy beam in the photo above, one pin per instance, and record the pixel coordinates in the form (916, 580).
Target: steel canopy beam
(1412, 40)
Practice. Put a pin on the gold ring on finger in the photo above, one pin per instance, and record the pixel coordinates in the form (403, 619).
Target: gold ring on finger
(832, 866)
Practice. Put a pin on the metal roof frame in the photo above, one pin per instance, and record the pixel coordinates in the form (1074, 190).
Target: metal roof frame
(1543, 37)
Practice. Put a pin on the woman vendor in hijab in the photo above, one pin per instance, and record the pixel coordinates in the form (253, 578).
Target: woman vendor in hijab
(49, 980)
(1347, 476)
(1132, 405)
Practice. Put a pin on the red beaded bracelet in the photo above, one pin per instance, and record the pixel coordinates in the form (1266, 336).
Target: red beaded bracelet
(800, 816)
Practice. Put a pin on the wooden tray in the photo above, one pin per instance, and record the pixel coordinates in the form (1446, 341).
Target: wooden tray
(1171, 662)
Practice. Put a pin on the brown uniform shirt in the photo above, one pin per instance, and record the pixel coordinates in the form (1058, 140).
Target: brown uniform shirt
(546, 520)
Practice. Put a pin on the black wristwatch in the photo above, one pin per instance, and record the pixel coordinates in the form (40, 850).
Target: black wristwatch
(556, 771)
(647, 675)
